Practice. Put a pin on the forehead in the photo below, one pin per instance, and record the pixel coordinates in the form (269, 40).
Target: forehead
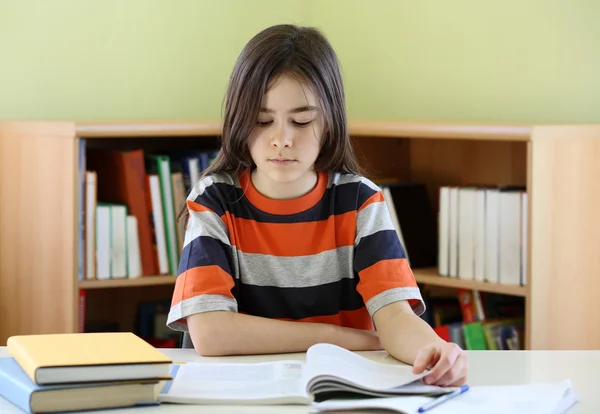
(288, 92)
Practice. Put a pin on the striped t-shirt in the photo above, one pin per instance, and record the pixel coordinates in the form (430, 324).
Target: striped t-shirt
(330, 256)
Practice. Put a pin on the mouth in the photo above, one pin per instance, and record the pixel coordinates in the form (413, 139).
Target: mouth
(282, 161)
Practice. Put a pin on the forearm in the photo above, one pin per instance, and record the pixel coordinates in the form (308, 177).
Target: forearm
(229, 333)
(402, 332)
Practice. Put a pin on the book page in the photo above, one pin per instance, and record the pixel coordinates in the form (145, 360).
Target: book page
(325, 361)
(231, 383)
(540, 398)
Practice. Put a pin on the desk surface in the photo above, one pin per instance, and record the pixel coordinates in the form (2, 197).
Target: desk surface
(485, 368)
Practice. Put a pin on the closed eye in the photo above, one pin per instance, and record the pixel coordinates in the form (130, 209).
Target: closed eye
(301, 124)
(263, 123)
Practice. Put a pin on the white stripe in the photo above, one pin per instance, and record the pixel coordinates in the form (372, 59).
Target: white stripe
(206, 223)
(371, 219)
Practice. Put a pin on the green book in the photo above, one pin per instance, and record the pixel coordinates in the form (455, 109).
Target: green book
(474, 336)
(162, 165)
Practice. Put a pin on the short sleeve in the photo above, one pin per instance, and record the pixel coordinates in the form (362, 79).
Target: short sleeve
(379, 258)
(205, 279)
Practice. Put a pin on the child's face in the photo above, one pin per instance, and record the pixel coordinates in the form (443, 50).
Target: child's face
(286, 140)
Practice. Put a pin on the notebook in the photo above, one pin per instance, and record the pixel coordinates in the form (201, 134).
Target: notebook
(17, 388)
(88, 357)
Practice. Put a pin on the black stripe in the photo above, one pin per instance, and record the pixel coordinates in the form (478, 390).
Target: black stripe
(206, 251)
(298, 303)
(338, 199)
(378, 246)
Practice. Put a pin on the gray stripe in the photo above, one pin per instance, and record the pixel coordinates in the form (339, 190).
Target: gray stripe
(340, 179)
(198, 304)
(206, 223)
(394, 295)
(296, 271)
(371, 219)
(203, 184)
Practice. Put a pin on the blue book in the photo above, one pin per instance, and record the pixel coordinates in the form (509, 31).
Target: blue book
(17, 388)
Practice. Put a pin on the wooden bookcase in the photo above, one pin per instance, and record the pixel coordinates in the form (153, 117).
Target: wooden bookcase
(560, 165)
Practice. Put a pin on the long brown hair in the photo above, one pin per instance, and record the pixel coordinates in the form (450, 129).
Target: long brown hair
(305, 53)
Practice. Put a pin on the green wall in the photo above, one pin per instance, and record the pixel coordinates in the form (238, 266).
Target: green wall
(126, 59)
(481, 60)
(460, 60)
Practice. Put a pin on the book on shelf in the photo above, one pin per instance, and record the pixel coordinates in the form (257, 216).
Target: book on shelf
(482, 233)
(153, 187)
(413, 218)
(477, 321)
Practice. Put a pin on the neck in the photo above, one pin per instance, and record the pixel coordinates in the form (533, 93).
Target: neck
(284, 191)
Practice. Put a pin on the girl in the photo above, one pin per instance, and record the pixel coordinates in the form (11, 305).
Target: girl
(287, 245)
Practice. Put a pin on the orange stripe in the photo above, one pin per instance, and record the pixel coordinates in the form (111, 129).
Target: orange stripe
(199, 208)
(358, 319)
(384, 275)
(202, 280)
(375, 198)
(291, 239)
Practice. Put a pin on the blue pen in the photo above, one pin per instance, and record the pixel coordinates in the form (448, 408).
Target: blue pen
(443, 398)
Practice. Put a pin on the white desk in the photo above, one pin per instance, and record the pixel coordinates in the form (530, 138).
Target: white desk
(485, 368)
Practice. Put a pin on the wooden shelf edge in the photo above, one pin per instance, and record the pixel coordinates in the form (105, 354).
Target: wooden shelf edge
(119, 283)
(430, 276)
(357, 128)
(147, 129)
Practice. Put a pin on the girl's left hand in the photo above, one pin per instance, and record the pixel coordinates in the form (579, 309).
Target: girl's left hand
(447, 362)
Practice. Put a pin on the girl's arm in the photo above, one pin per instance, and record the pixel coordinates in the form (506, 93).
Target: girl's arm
(229, 333)
(402, 332)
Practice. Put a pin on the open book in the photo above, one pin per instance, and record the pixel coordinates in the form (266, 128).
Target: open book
(329, 371)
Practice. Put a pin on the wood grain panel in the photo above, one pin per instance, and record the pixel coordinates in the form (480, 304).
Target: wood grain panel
(461, 162)
(565, 238)
(382, 158)
(37, 222)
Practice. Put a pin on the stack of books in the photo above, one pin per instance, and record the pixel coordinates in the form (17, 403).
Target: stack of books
(76, 372)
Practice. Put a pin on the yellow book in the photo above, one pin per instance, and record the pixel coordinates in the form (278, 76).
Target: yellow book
(88, 357)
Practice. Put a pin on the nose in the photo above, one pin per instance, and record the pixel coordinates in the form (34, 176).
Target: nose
(281, 139)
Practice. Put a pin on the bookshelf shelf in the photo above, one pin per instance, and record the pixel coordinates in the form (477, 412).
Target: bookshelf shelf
(546, 159)
(430, 276)
(117, 283)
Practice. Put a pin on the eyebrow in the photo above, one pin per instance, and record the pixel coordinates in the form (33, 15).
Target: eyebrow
(305, 108)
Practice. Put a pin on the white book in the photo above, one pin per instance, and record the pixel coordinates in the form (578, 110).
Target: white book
(479, 216)
(103, 238)
(134, 257)
(328, 368)
(510, 238)
(118, 251)
(492, 234)
(159, 224)
(466, 233)
(90, 224)
(524, 238)
(453, 232)
(444, 232)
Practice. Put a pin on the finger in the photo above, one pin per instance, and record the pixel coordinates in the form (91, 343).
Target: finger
(423, 359)
(446, 361)
(455, 373)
